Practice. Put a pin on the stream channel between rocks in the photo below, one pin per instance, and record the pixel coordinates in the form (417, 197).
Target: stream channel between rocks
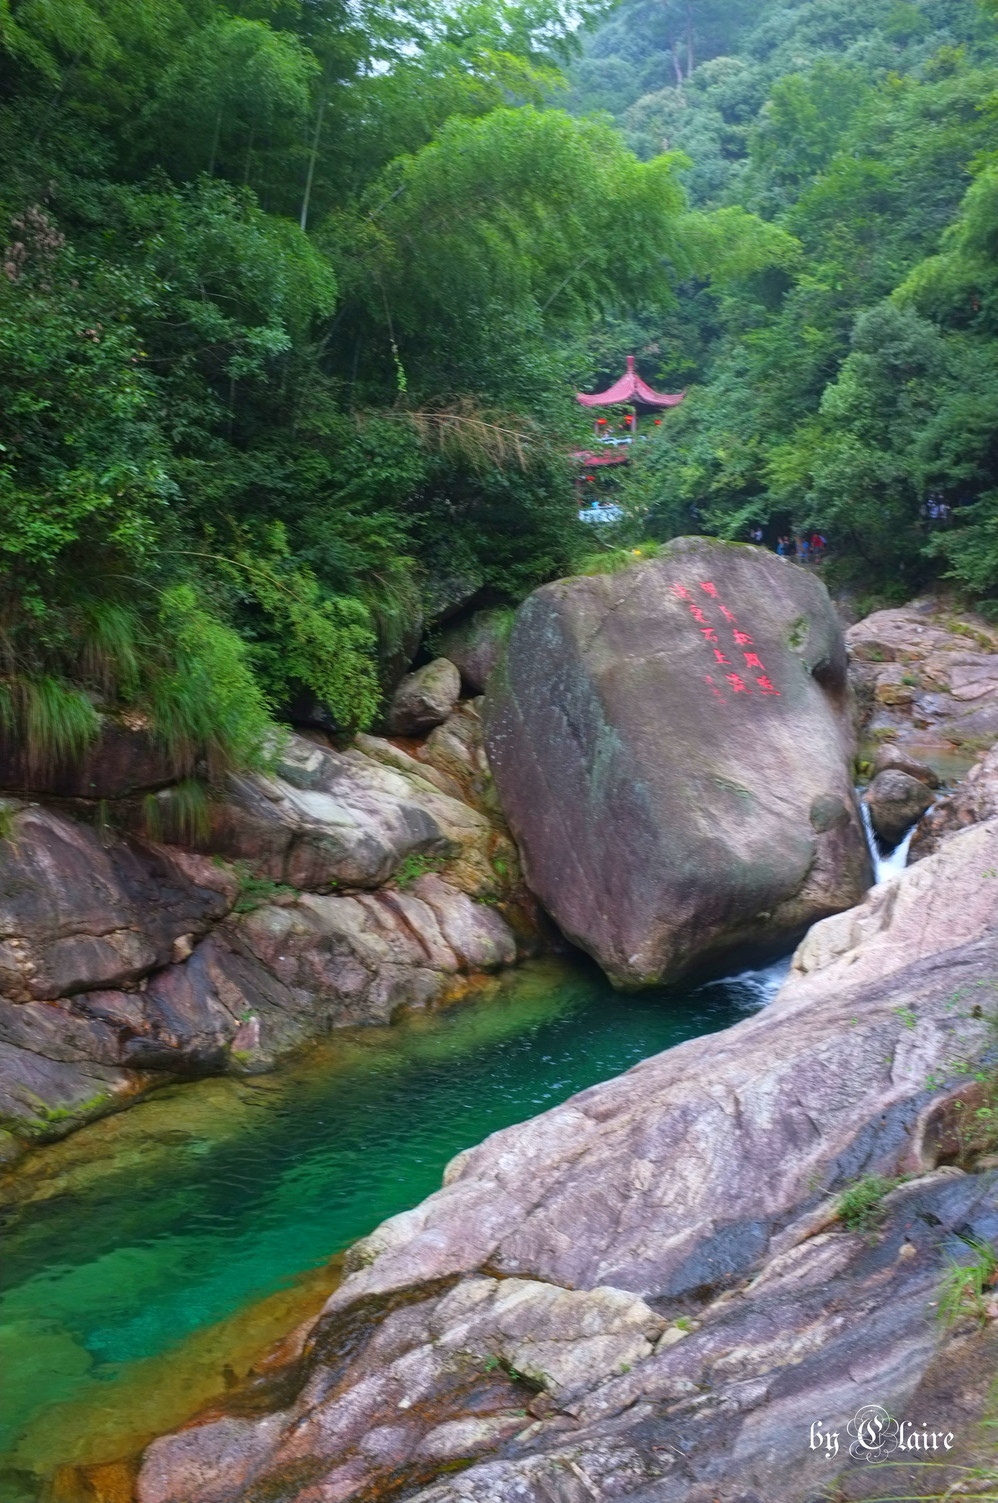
(153, 1257)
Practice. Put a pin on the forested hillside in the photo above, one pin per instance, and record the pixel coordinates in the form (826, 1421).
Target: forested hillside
(841, 390)
(294, 295)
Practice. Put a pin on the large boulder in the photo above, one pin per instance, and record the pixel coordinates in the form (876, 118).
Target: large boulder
(896, 800)
(672, 749)
(475, 646)
(448, 591)
(424, 698)
(654, 1290)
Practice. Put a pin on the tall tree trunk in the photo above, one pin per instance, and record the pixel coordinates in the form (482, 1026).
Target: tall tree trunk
(689, 42)
(214, 142)
(311, 165)
(677, 65)
(56, 101)
(249, 158)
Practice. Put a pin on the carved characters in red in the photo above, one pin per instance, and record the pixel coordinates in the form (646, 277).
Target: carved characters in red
(736, 682)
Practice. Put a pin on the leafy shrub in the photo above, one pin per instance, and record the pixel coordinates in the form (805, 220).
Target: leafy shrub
(860, 1207)
(415, 865)
(255, 891)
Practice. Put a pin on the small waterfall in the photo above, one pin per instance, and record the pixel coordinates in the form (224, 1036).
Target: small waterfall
(884, 866)
(754, 989)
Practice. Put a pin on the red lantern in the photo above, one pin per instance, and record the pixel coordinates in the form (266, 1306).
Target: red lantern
(658, 422)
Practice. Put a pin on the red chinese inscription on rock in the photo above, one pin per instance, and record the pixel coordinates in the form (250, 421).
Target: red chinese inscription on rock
(739, 682)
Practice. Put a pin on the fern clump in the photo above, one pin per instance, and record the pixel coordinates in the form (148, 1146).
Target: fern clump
(207, 699)
(968, 1288)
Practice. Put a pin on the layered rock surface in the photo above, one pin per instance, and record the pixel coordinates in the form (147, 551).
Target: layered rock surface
(672, 747)
(647, 1291)
(122, 759)
(926, 673)
(345, 887)
(973, 800)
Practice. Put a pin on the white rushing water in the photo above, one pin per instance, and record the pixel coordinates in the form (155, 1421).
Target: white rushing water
(754, 989)
(895, 861)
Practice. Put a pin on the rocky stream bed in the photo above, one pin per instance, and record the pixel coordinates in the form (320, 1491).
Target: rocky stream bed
(654, 1289)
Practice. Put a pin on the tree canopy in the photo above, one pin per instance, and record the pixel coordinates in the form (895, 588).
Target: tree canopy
(295, 294)
(840, 391)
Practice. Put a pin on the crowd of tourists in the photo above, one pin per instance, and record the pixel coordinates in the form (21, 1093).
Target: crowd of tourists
(803, 549)
(937, 510)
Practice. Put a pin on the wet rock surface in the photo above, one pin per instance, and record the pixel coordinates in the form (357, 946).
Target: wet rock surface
(973, 800)
(649, 1291)
(672, 748)
(347, 886)
(890, 757)
(925, 671)
(896, 800)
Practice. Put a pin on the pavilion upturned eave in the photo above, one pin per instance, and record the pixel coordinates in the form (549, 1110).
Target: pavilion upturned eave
(631, 391)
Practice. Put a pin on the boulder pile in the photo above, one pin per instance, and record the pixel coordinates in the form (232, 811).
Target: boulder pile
(337, 890)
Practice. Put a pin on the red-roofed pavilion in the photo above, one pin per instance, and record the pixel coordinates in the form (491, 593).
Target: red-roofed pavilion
(631, 391)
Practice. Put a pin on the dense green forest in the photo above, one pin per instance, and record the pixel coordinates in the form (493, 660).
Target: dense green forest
(843, 387)
(294, 296)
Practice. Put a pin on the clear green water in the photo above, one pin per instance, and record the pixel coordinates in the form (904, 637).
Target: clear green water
(124, 1245)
